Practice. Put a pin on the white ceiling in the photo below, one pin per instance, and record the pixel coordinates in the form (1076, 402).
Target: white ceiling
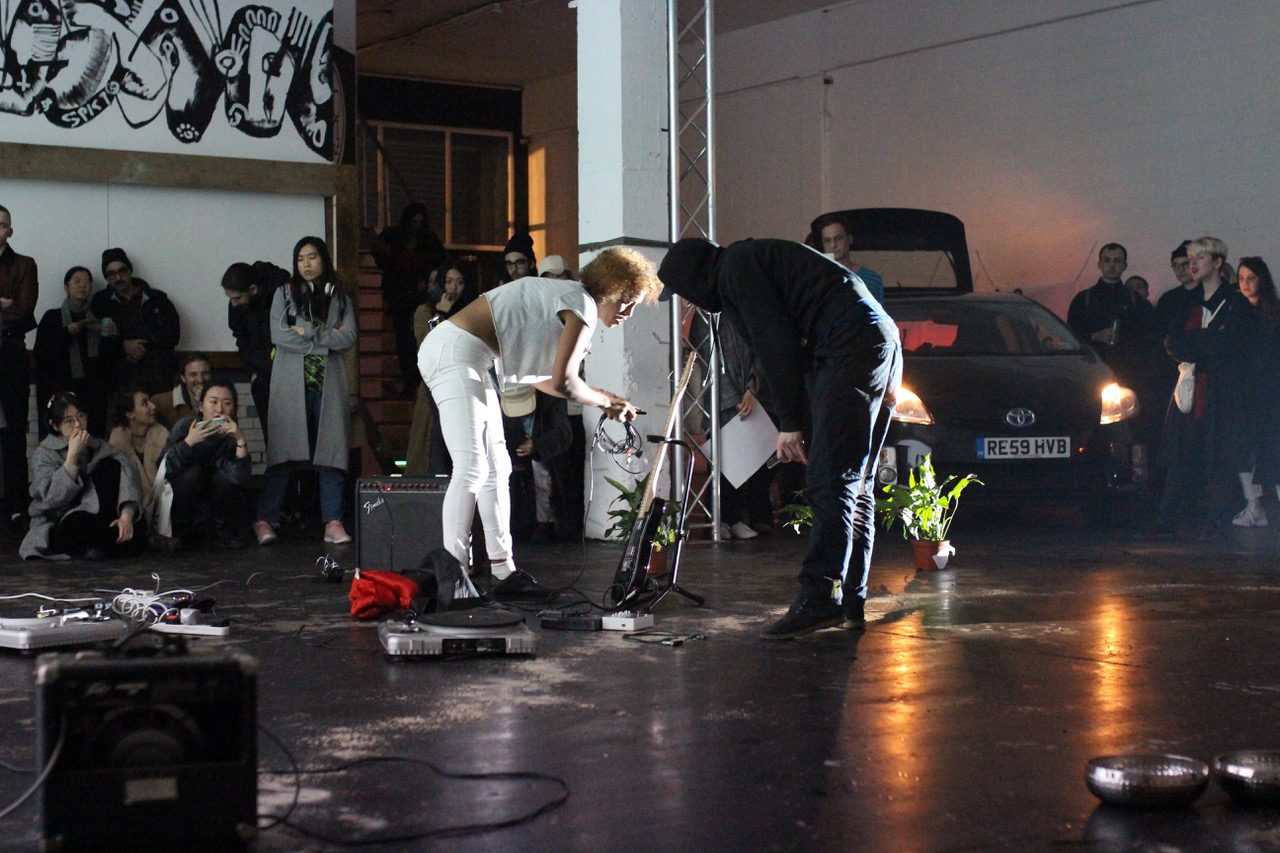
(502, 42)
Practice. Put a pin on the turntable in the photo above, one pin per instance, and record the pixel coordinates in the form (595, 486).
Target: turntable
(74, 628)
(478, 631)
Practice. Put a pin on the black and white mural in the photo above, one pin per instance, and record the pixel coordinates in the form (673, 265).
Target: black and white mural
(171, 75)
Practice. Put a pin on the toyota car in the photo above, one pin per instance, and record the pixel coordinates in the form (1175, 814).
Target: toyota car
(993, 383)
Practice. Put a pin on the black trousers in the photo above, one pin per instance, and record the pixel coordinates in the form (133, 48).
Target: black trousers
(15, 392)
(76, 532)
(202, 497)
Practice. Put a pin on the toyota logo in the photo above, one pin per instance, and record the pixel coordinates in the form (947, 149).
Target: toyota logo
(1020, 417)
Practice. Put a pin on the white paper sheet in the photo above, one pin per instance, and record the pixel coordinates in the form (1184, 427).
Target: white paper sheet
(745, 445)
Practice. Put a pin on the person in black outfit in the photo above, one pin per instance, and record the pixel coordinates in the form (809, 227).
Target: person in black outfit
(249, 290)
(75, 351)
(814, 328)
(406, 254)
(147, 322)
(19, 289)
(207, 462)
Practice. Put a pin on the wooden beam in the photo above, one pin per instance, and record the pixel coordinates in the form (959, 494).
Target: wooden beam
(184, 171)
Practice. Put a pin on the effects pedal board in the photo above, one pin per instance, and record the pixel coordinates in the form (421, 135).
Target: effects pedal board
(627, 620)
(480, 631)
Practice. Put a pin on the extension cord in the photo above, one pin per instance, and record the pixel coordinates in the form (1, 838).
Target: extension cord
(626, 620)
(191, 630)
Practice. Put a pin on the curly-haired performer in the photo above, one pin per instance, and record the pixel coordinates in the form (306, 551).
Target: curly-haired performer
(536, 330)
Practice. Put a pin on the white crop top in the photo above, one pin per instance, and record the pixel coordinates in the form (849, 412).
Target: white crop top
(525, 319)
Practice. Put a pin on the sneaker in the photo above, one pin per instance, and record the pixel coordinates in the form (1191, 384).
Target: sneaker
(518, 584)
(1252, 515)
(855, 618)
(264, 532)
(335, 533)
(810, 611)
(742, 530)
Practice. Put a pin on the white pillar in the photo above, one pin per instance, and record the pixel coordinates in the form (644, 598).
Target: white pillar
(623, 201)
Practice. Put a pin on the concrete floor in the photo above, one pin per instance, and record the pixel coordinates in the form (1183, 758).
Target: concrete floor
(961, 720)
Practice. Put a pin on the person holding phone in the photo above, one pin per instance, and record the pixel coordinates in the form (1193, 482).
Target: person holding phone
(84, 492)
(207, 463)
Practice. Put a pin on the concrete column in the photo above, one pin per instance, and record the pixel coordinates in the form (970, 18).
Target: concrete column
(623, 201)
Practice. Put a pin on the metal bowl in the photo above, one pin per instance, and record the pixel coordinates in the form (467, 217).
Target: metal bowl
(1147, 781)
(1250, 775)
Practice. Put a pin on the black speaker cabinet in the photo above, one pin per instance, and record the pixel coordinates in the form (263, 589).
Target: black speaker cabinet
(155, 754)
(398, 521)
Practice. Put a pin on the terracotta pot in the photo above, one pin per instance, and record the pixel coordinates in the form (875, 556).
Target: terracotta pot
(658, 561)
(924, 550)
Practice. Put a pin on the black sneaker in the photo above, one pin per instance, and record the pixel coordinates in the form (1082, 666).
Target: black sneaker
(855, 617)
(518, 584)
(811, 611)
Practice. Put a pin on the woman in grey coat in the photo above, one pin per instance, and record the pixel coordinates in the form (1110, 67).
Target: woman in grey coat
(312, 324)
(85, 494)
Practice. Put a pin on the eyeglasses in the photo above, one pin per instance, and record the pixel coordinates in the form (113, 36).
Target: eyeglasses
(520, 263)
(77, 418)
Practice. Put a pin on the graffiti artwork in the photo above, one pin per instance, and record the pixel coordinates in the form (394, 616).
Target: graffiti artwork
(71, 61)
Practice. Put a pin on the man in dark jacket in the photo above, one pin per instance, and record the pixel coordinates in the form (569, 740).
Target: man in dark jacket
(146, 322)
(813, 327)
(249, 290)
(19, 289)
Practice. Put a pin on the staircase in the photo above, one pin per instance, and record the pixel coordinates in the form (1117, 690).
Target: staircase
(386, 417)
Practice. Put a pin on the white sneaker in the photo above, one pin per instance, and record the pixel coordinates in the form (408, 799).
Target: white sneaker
(742, 530)
(1251, 516)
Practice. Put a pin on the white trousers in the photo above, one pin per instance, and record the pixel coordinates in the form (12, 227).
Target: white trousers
(455, 365)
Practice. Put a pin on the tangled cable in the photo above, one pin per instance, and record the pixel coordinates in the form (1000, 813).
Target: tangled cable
(630, 447)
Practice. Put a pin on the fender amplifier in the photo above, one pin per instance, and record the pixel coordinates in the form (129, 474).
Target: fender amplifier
(398, 521)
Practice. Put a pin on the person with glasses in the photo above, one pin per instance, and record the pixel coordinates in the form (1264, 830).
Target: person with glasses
(518, 258)
(146, 321)
(85, 493)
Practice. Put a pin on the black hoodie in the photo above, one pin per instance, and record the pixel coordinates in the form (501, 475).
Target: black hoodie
(783, 298)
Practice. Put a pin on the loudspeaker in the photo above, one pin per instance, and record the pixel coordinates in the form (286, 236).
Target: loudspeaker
(398, 521)
(156, 753)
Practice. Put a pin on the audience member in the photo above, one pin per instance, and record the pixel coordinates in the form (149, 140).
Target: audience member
(1172, 307)
(518, 257)
(567, 468)
(147, 322)
(1206, 436)
(77, 351)
(1257, 286)
(553, 266)
(206, 462)
(249, 290)
(85, 495)
(427, 453)
(833, 231)
(180, 402)
(142, 441)
(19, 288)
(1139, 285)
(407, 253)
(312, 324)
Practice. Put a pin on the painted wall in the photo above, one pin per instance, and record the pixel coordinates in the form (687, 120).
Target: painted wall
(1049, 127)
(229, 78)
(550, 117)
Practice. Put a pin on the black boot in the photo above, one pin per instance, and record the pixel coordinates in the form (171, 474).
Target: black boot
(855, 619)
(812, 610)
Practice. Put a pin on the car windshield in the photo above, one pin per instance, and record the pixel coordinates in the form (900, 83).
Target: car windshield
(906, 271)
(962, 327)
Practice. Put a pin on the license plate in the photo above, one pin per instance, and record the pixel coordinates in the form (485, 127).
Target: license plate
(1031, 447)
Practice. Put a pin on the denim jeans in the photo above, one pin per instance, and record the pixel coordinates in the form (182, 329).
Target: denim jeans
(275, 480)
(852, 389)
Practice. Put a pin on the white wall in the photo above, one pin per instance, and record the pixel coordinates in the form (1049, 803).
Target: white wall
(180, 241)
(1144, 125)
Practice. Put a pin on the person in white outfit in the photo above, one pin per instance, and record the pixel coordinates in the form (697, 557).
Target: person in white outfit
(533, 331)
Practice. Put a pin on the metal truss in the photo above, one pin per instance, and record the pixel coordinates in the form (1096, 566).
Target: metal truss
(690, 35)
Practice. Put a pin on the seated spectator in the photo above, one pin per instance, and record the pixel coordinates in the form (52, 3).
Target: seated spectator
(407, 253)
(427, 453)
(85, 495)
(206, 462)
(249, 290)
(147, 322)
(77, 351)
(833, 231)
(137, 435)
(182, 401)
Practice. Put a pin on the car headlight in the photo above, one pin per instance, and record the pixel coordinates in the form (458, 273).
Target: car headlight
(910, 408)
(1118, 404)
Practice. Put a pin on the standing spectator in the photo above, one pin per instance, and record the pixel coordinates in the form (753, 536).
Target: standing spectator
(553, 266)
(147, 322)
(85, 496)
(19, 288)
(518, 258)
(406, 254)
(1139, 285)
(1206, 437)
(833, 232)
(249, 290)
(183, 400)
(206, 461)
(427, 453)
(77, 351)
(567, 469)
(312, 324)
(1257, 286)
(142, 441)
(1172, 307)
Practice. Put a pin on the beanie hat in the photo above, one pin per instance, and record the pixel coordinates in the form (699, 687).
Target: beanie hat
(521, 242)
(111, 256)
(689, 269)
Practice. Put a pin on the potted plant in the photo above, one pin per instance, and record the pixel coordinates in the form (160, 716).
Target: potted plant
(925, 507)
(624, 521)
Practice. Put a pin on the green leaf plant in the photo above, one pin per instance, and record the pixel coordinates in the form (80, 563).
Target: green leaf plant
(924, 506)
(624, 516)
